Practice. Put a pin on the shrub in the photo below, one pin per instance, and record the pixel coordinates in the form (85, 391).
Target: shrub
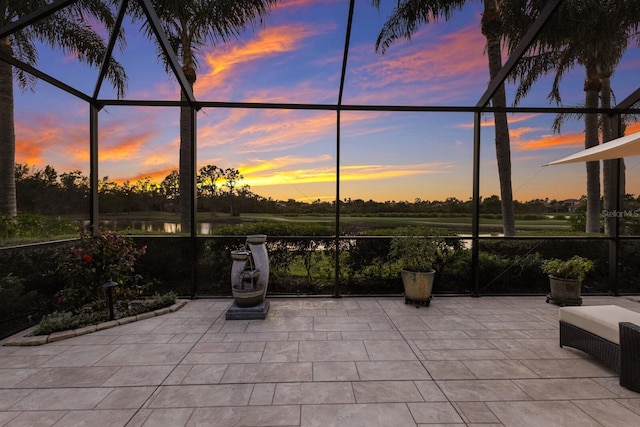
(16, 300)
(63, 321)
(286, 243)
(574, 268)
(415, 252)
(95, 260)
(419, 248)
(28, 226)
(99, 312)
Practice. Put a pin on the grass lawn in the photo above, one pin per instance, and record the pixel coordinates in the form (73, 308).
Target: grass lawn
(136, 223)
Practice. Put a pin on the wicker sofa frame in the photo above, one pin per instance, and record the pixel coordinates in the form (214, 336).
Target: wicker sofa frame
(623, 359)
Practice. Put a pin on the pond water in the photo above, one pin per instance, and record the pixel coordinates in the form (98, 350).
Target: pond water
(152, 226)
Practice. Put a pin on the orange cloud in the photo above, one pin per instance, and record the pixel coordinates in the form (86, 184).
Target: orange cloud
(215, 129)
(303, 92)
(271, 41)
(269, 130)
(516, 134)
(374, 172)
(566, 140)
(279, 163)
(31, 143)
(156, 176)
(124, 144)
(442, 60)
(159, 158)
(126, 148)
(44, 133)
(29, 153)
(278, 130)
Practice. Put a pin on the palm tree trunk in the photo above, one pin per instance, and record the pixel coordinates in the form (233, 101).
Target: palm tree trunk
(187, 169)
(492, 29)
(8, 203)
(609, 170)
(592, 90)
(608, 178)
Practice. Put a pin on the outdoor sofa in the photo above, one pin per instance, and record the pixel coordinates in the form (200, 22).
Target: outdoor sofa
(609, 333)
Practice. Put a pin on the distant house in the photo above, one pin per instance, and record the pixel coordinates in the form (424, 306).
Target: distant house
(571, 205)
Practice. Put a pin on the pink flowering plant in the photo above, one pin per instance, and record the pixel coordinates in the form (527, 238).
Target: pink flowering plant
(94, 260)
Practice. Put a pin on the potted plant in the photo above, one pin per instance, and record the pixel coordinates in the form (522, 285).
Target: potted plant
(565, 278)
(417, 250)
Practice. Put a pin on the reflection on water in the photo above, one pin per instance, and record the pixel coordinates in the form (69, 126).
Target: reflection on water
(151, 226)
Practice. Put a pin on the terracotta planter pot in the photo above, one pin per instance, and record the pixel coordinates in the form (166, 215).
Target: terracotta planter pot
(417, 286)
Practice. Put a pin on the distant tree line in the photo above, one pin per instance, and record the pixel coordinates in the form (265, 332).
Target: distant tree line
(45, 191)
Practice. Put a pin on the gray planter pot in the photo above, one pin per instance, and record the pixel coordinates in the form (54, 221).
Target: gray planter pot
(564, 291)
(417, 286)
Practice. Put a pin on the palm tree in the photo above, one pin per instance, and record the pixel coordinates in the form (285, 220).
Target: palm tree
(590, 33)
(403, 23)
(191, 25)
(68, 29)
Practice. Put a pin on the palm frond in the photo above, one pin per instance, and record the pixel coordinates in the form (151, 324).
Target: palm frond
(69, 30)
(192, 24)
(409, 14)
(80, 39)
(580, 32)
(561, 118)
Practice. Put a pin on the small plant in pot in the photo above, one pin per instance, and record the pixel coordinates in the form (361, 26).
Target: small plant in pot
(565, 278)
(417, 250)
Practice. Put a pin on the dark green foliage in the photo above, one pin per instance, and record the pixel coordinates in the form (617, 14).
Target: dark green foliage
(63, 321)
(157, 301)
(29, 281)
(11, 289)
(66, 276)
(302, 259)
(99, 312)
(367, 258)
(501, 259)
(17, 302)
(515, 274)
(40, 190)
(578, 222)
(168, 260)
(367, 267)
(454, 275)
(286, 242)
(417, 248)
(573, 268)
(214, 264)
(629, 278)
(25, 226)
(93, 261)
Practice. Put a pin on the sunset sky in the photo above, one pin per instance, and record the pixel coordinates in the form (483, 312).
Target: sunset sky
(296, 57)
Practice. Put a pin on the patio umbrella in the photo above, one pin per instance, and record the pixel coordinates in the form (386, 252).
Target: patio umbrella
(615, 149)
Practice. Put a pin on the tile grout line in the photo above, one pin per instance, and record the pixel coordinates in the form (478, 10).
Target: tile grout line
(157, 388)
(453, 405)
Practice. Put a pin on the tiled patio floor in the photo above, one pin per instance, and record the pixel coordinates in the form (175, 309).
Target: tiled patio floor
(321, 362)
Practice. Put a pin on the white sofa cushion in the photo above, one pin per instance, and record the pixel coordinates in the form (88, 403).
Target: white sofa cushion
(601, 320)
